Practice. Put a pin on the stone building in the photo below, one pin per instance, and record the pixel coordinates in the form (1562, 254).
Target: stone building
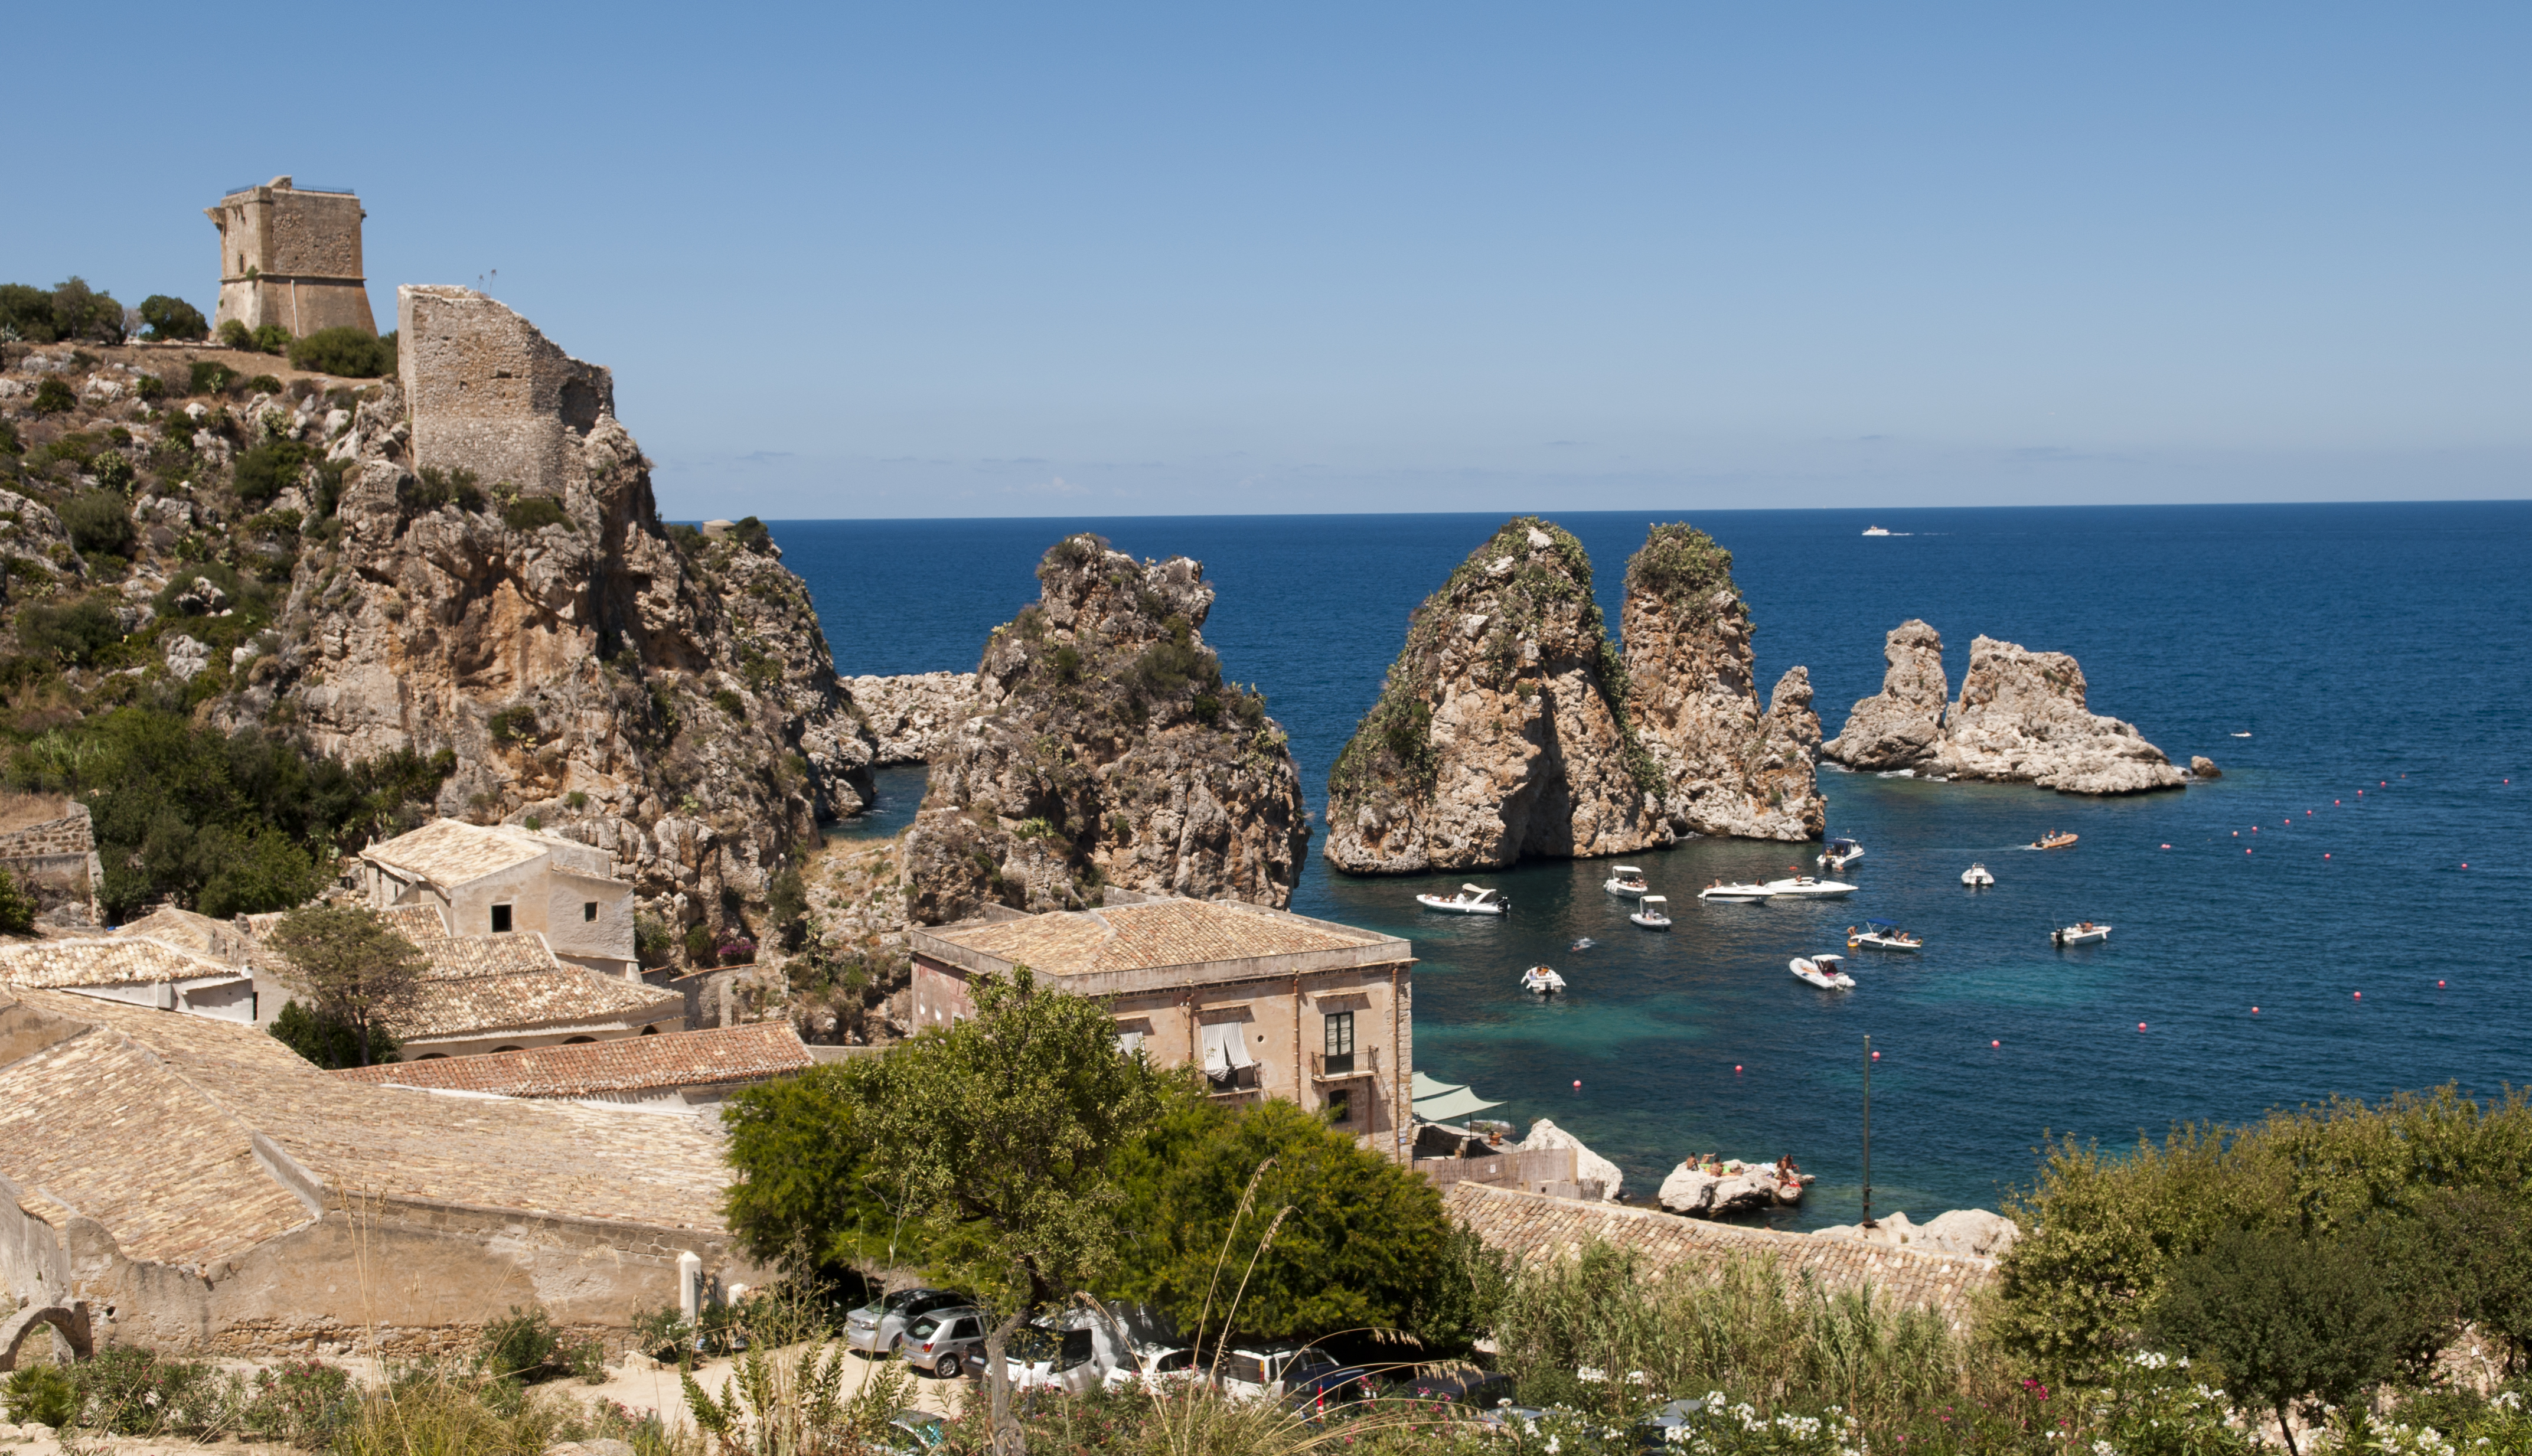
(138, 969)
(690, 1071)
(490, 393)
(1266, 1003)
(48, 843)
(199, 1188)
(291, 256)
(503, 880)
(508, 993)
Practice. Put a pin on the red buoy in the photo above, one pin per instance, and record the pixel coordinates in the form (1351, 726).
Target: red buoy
(2140, 1025)
(1995, 1043)
(2360, 995)
(2255, 1011)
(1735, 1072)
(2440, 985)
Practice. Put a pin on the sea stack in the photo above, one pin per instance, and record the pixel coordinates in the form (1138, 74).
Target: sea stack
(1899, 726)
(2022, 719)
(1502, 728)
(1727, 768)
(1101, 749)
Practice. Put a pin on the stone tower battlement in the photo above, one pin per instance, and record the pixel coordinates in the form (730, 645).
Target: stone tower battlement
(291, 256)
(490, 393)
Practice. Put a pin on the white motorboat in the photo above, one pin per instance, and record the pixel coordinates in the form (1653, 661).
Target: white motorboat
(1653, 912)
(1977, 877)
(1840, 854)
(1874, 531)
(1803, 886)
(1881, 935)
(1735, 894)
(1824, 971)
(1471, 901)
(2081, 933)
(1540, 980)
(1625, 880)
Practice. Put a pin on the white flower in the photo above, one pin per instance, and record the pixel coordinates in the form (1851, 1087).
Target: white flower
(2104, 1448)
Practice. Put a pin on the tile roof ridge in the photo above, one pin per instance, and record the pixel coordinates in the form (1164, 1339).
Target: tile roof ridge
(246, 1132)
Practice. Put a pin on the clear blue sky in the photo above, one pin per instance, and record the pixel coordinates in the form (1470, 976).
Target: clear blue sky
(948, 260)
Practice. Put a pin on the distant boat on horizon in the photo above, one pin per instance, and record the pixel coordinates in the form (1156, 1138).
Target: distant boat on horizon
(1874, 531)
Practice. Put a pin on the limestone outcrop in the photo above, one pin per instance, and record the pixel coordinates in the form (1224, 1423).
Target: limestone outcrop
(1105, 749)
(2022, 719)
(1502, 730)
(2203, 767)
(1588, 1165)
(1901, 726)
(1974, 1232)
(667, 698)
(1726, 768)
(1722, 1189)
(912, 714)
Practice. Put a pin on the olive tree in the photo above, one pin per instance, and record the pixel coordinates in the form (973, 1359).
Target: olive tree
(361, 974)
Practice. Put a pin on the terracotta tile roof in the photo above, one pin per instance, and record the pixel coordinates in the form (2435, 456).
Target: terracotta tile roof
(223, 939)
(447, 853)
(461, 957)
(1147, 937)
(105, 961)
(624, 1064)
(1533, 1226)
(145, 1123)
(416, 922)
(547, 995)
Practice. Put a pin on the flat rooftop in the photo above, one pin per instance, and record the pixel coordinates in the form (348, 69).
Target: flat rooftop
(1124, 948)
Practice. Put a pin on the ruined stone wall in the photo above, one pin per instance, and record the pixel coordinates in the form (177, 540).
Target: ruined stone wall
(1531, 1227)
(291, 258)
(56, 862)
(489, 392)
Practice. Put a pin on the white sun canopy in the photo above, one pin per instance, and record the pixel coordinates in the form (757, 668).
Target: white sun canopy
(1226, 1047)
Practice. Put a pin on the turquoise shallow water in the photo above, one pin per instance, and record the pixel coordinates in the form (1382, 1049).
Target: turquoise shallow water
(2357, 644)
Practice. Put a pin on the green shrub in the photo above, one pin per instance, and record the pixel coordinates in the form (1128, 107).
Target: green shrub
(17, 906)
(234, 334)
(303, 1403)
(269, 469)
(82, 313)
(521, 1346)
(514, 724)
(9, 443)
(112, 472)
(208, 376)
(434, 488)
(173, 319)
(272, 338)
(534, 512)
(27, 312)
(73, 635)
(54, 398)
(40, 1395)
(326, 1042)
(346, 350)
(730, 702)
(99, 521)
(149, 386)
(263, 384)
(699, 944)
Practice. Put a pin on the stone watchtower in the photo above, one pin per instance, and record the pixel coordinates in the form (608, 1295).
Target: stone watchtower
(487, 392)
(291, 256)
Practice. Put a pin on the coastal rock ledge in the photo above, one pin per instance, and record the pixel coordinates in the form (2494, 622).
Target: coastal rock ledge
(2021, 719)
(913, 715)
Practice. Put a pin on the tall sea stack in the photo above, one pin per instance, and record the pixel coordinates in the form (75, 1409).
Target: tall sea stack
(1899, 726)
(1103, 748)
(1502, 728)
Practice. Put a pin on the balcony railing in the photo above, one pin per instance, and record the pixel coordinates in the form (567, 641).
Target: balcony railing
(1338, 1065)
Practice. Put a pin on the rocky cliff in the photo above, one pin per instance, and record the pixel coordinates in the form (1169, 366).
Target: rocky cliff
(1899, 726)
(2022, 719)
(1502, 730)
(666, 697)
(912, 715)
(1105, 749)
(1726, 768)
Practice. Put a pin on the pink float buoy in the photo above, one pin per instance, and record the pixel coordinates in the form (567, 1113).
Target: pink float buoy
(2166, 847)
(2255, 1011)
(1995, 1043)
(2325, 855)
(2140, 1025)
(2360, 995)
(1578, 1087)
(1735, 1072)
(2440, 985)
(1876, 1056)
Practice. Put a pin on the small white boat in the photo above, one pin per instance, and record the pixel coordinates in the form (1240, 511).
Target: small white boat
(1977, 876)
(1840, 854)
(1735, 894)
(1471, 901)
(1653, 912)
(1538, 980)
(1823, 971)
(1806, 888)
(1625, 880)
(1874, 531)
(2241, 735)
(2081, 933)
(1881, 935)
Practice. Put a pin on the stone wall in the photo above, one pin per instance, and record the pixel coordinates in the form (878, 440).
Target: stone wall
(56, 862)
(1529, 1226)
(291, 258)
(489, 392)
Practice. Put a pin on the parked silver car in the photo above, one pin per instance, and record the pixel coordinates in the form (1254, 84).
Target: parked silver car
(876, 1329)
(946, 1342)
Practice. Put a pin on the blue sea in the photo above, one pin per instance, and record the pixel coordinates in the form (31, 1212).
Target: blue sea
(2302, 928)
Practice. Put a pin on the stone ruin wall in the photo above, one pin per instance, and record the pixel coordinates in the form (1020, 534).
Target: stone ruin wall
(56, 862)
(304, 249)
(489, 392)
